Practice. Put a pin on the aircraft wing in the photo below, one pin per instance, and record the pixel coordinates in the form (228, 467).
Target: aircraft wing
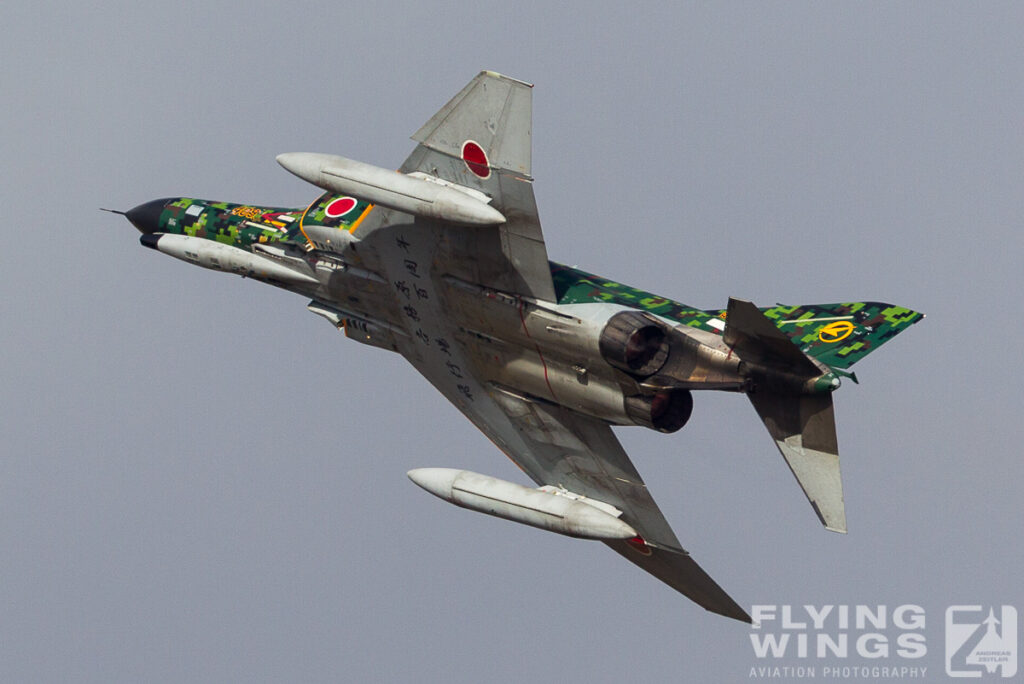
(550, 443)
(560, 447)
(556, 446)
(481, 141)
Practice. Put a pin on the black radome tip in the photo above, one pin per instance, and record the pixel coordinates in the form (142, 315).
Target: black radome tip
(150, 240)
(146, 216)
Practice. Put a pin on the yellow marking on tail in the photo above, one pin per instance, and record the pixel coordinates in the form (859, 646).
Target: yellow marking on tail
(836, 332)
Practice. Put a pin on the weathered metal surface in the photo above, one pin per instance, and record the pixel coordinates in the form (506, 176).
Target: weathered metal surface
(217, 256)
(416, 196)
(548, 508)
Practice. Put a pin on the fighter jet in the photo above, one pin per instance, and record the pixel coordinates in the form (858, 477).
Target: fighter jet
(444, 263)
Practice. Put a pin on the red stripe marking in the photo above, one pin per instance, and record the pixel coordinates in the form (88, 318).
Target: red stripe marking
(543, 363)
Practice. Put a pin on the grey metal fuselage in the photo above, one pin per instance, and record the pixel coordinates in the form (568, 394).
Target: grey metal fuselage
(385, 291)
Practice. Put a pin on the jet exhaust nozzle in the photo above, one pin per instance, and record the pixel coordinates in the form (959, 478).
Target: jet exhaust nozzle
(635, 343)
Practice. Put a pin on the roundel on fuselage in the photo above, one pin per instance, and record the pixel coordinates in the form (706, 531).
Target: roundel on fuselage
(340, 207)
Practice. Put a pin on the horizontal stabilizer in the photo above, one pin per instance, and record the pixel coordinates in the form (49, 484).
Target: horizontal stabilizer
(804, 429)
(756, 338)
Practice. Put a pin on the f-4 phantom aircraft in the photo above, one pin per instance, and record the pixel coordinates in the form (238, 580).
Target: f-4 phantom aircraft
(444, 262)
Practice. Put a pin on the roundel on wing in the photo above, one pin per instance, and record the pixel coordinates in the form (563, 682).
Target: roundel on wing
(476, 159)
(340, 207)
(639, 544)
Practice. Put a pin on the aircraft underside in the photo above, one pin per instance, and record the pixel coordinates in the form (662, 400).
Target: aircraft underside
(445, 264)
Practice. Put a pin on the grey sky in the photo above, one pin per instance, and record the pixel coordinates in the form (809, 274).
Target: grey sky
(202, 482)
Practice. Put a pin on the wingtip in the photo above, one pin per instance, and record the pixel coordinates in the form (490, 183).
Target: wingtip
(495, 74)
(736, 613)
(834, 520)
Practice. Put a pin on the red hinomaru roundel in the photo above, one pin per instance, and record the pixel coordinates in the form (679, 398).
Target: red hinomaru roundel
(476, 159)
(340, 207)
(639, 544)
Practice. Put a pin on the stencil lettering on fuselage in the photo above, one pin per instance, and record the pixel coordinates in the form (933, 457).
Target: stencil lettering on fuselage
(407, 252)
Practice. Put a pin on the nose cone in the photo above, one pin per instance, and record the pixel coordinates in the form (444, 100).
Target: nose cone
(146, 216)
